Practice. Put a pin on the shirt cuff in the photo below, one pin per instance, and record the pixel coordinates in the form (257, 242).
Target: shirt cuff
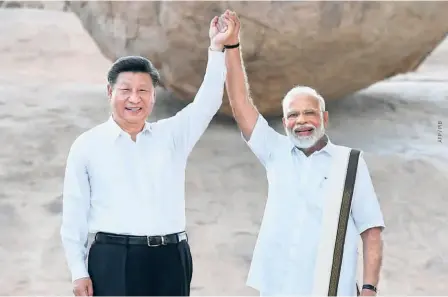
(216, 65)
(79, 271)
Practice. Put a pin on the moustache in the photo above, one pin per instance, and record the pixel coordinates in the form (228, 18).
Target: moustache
(301, 128)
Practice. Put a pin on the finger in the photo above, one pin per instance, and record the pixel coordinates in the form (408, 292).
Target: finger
(229, 22)
(233, 16)
(228, 19)
(76, 292)
(80, 291)
(214, 21)
(85, 292)
(236, 20)
(222, 25)
(90, 289)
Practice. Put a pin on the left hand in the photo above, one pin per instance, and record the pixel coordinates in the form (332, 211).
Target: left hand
(365, 292)
(221, 31)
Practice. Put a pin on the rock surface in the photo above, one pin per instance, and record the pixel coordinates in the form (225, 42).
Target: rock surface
(53, 87)
(335, 47)
(51, 5)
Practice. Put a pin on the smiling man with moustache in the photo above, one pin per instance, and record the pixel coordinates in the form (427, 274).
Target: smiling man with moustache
(296, 236)
(125, 180)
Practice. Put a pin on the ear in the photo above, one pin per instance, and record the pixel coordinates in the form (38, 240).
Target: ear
(325, 114)
(284, 122)
(153, 101)
(109, 91)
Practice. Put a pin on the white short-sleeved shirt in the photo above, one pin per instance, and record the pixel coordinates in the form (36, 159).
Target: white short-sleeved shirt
(286, 248)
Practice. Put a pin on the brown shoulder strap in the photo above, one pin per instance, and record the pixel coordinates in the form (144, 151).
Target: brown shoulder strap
(343, 221)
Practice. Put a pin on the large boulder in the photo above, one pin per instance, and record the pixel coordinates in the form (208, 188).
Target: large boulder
(50, 5)
(336, 47)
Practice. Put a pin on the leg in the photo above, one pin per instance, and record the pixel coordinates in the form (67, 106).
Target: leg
(106, 265)
(141, 271)
(175, 270)
(120, 270)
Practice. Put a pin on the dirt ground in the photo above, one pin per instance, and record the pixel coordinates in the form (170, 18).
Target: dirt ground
(52, 88)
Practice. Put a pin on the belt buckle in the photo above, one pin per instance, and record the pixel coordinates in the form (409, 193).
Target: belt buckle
(148, 239)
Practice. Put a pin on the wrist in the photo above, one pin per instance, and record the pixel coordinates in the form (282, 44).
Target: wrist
(369, 287)
(216, 47)
(232, 42)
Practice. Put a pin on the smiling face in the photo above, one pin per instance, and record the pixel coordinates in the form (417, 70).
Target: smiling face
(131, 90)
(304, 121)
(132, 97)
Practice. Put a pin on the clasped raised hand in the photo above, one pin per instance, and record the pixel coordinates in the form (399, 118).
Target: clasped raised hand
(224, 30)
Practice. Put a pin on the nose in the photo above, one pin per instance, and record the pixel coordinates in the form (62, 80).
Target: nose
(134, 97)
(300, 120)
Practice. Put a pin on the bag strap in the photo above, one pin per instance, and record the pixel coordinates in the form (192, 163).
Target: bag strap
(343, 221)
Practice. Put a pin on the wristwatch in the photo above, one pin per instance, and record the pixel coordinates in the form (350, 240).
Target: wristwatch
(369, 287)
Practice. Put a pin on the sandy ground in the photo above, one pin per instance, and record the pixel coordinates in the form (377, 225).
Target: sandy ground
(52, 88)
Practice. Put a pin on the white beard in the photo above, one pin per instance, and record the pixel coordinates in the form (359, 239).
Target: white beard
(305, 142)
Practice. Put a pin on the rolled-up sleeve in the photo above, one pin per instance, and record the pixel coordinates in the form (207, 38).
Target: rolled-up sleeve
(263, 140)
(190, 123)
(75, 210)
(366, 210)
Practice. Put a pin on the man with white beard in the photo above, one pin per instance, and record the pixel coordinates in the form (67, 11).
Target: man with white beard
(304, 136)
(296, 242)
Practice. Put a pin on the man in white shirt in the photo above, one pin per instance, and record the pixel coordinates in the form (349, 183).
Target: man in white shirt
(286, 260)
(124, 183)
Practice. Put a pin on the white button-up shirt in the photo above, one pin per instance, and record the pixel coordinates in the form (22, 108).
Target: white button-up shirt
(113, 184)
(285, 252)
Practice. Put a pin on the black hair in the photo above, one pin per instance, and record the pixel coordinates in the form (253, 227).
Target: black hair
(133, 64)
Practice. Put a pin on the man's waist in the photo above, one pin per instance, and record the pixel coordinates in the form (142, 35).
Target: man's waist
(136, 226)
(150, 240)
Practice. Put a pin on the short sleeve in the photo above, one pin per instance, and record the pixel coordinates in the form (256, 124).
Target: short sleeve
(366, 210)
(263, 140)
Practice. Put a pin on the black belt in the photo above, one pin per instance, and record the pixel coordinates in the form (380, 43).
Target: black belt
(151, 241)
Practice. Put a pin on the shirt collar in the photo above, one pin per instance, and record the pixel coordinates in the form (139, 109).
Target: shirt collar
(115, 130)
(329, 148)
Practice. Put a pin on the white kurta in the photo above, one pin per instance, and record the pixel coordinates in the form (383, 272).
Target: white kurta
(285, 253)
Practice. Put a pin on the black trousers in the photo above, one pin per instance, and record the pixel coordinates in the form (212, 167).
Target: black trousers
(140, 270)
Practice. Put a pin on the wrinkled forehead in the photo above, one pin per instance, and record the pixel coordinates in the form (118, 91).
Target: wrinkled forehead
(302, 102)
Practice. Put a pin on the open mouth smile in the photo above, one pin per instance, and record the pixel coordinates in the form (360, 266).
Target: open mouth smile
(133, 109)
(306, 131)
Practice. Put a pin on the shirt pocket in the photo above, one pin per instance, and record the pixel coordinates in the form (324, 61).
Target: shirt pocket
(316, 195)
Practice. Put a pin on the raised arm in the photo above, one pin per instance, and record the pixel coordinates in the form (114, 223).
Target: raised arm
(257, 133)
(190, 123)
(244, 111)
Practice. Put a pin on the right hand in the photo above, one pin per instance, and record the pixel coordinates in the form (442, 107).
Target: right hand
(231, 17)
(220, 32)
(83, 287)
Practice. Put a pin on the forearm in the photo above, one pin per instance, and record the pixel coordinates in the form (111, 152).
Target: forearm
(74, 231)
(237, 87)
(75, 254)
(236, 81)
(190, 123)
(208, 99)
(372, 255)
(75, 211)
